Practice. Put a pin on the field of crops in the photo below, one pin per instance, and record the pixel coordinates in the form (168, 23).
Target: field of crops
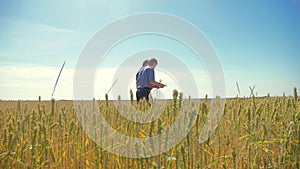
(253, 133)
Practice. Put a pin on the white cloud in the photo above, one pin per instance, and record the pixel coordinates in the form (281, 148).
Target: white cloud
(28, 81)
(264, 83)
(27, 27)
(49, 28)
(39, 43)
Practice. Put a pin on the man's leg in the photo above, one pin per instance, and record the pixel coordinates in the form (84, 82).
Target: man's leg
(139, 95)
(147, 96)
(143, 93)
(136, 95)
(147, 92)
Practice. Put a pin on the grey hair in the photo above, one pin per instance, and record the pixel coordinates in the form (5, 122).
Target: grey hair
(152, 62)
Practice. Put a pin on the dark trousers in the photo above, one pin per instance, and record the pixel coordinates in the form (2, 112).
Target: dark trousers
(142, 93)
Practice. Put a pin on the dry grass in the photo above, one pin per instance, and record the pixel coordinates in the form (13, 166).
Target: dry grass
(253, 133)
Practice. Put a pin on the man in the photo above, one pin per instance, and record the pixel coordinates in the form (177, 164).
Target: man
(145, 63)
(146, 81)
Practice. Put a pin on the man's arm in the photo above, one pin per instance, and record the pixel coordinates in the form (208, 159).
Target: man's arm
(151, 78)
(156, 84)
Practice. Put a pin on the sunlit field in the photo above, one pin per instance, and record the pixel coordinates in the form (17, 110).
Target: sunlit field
(257, 132)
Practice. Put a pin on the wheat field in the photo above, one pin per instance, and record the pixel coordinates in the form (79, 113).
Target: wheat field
(257, 132)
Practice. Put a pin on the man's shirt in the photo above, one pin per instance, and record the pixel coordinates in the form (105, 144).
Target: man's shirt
(138, 73)
(145, 76)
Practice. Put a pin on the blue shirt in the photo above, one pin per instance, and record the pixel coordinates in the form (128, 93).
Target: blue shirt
(145, 76)
(137, 74)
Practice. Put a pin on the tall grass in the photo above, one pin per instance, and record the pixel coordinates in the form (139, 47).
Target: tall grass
(253, 133)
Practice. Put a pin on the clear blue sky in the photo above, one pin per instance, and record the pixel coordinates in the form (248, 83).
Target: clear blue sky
(257, 40)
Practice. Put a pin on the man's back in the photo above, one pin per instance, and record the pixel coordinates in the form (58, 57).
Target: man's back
(145, 76)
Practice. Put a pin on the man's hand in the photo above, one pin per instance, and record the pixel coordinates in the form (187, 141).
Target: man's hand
(161, 85)
(157, 85)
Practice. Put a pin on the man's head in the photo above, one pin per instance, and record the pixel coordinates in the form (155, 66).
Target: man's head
(145, 63)
(153, 63)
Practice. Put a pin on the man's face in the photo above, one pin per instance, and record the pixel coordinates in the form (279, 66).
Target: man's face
(154, 66)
